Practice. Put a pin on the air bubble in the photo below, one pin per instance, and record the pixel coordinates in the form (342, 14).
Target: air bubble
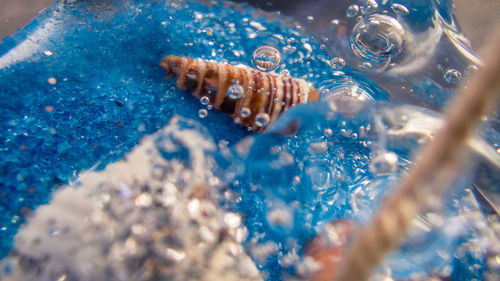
(202, 113)
(352, 11)
(262, 119)
(245, 112)
(470, 69)
(378, 38)
(400, 9)
(204, 100)
(368, 5)
(266, 58)
(328, 132)
(235, 91)
(384, 163)
(452, 76)
(337, 63)
(366, 65)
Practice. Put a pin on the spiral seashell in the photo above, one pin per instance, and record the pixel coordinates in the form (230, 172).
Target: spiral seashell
(253, 98)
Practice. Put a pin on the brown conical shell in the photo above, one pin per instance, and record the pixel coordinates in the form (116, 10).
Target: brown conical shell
(263, 92)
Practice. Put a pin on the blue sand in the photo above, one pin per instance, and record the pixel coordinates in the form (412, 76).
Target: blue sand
(109, 91)
(109, 88)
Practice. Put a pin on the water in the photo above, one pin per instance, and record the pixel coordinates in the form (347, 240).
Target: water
(344, 168)
(91, 89)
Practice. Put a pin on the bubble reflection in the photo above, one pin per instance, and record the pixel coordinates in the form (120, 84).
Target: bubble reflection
(266, 58)
(378, 38)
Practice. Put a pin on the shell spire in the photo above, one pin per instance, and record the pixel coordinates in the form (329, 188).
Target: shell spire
(253, 98)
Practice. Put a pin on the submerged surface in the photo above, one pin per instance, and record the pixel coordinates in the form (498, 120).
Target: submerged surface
(82, 84)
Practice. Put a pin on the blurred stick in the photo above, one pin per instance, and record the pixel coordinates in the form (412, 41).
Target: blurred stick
(430, 175)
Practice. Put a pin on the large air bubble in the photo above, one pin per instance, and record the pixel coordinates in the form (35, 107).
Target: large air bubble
(266, 58)
(378, 39)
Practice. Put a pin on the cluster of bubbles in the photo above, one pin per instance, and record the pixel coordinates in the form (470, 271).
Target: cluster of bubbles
(340, 164)
(381, 38)
(265, 58)
(203, 112)
(378, 40)
(385, 43)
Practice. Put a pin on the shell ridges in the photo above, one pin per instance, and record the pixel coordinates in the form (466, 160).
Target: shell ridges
(261, 90)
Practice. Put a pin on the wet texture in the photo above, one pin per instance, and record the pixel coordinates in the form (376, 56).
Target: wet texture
(81, 85)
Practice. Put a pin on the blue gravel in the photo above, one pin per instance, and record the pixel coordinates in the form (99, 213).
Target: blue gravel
(81, 84)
